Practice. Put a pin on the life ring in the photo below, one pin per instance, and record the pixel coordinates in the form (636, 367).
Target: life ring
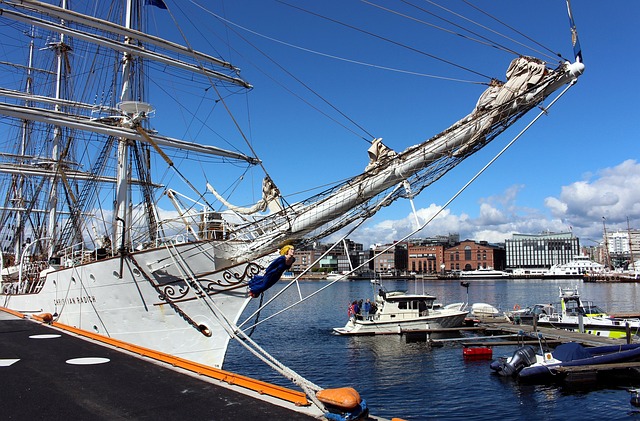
(516, 307)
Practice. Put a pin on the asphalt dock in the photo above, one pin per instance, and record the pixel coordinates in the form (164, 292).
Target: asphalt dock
(50, 374)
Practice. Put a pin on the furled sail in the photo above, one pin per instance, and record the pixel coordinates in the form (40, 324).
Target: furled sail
(529, 82)
(270, 199)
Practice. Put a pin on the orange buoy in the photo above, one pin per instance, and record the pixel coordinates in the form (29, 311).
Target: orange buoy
(477, 353)
(516, 307)
(45, 317)
(342, 397)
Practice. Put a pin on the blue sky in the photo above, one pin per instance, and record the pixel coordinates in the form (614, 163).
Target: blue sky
(576, 165)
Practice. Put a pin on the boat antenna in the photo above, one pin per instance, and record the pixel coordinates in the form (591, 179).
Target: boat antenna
(466, 285)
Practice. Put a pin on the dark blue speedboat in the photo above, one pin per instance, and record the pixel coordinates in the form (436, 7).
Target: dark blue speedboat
(527, 364)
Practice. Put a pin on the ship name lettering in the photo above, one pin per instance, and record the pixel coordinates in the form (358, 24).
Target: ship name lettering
(75, 300)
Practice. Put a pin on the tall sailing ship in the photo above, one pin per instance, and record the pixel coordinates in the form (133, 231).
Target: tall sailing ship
(84, 238)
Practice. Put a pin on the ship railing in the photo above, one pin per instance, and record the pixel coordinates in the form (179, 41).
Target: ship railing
(194, 226)
(29, 268)
(74, 254)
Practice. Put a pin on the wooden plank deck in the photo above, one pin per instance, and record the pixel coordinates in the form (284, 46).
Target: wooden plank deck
(600, 367)
(514, 342)
(551, 334)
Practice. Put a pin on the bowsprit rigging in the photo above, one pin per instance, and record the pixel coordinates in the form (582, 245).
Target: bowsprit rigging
(80, 214)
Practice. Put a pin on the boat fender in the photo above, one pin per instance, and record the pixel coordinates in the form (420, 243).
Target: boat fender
(44, 317)
(516, 307)
(345, 398)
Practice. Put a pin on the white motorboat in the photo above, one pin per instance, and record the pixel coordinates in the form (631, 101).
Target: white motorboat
(578, 315)
(484, 273)
(485, 312)
(397, 312)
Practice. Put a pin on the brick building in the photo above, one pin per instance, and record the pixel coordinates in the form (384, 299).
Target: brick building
(472, 255)
(425, 258)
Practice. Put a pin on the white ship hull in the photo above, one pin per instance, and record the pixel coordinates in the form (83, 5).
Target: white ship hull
(154, 304)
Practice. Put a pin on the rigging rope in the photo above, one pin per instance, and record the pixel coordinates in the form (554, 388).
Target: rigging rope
(370, 136)
(516, 31)
(544, 111)
(234, 332)
(389, 41)
(295, 281)
(494, 43)
(297, 79)
(220, 100)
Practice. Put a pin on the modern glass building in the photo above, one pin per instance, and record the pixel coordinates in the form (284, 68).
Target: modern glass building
(542, 250)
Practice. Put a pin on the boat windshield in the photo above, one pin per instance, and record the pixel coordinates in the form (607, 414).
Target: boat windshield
(590, 308)
(542, 309)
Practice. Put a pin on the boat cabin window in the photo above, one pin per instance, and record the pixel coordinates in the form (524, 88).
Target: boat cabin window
(422, 306)
(413, 305)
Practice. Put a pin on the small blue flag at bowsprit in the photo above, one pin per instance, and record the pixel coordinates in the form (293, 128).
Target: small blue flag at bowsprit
(157, 3)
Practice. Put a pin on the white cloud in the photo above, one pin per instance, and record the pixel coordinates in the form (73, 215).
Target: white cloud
(612, 192)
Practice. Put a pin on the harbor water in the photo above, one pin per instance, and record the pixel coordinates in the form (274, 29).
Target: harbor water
(412, 380)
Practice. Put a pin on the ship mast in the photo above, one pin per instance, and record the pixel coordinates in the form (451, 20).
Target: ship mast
(632, 260)
(606, 244)
(19, 180)
(122, 221)
(60, 49)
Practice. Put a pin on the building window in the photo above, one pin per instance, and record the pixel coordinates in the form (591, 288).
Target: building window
(467, 253)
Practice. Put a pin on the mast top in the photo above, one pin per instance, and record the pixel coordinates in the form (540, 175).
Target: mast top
(136, 108)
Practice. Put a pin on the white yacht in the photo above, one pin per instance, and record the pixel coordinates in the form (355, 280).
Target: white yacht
(397, 312)
(575, 268)
(484, 273)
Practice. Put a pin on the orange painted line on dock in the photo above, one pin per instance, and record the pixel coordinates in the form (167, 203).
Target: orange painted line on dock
(296, 397)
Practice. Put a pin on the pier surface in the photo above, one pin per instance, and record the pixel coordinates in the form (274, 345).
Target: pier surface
(553, 334)
(49, 374)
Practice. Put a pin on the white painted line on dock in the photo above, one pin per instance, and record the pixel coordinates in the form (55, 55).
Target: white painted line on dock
(88, 361)
(7, 362)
